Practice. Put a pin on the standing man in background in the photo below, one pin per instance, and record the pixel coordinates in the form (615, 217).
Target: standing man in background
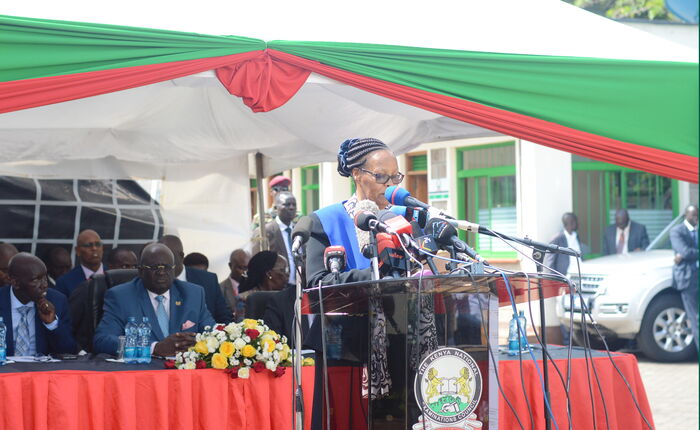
(625, 235)
(89, 252)
(684, 240)
(279, 230)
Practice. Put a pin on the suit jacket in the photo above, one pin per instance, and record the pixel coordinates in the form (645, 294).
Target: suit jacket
(187, 303)
(274, 239)
(68, 282)
(685, 273)
(638, 238)
(560, 262)
(216, 303)
(47, 341)
(236, 304)
(279, 314)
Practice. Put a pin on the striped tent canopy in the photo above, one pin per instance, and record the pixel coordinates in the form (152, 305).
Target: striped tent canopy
(143, 102)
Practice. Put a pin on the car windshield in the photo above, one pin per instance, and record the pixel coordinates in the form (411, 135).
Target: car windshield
(663, 239)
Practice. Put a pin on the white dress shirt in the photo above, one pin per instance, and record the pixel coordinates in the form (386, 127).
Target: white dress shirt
(618, 232)
(573, 243)
(88, 273)
(15, 304)
(166, 302)
(290, 257)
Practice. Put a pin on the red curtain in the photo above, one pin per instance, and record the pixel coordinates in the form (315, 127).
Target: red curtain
(546, 133)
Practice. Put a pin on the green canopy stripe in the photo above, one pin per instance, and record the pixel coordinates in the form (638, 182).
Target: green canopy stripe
(35, 48)
(648, 103)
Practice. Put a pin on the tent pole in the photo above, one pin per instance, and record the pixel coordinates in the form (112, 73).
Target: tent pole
(261, 203)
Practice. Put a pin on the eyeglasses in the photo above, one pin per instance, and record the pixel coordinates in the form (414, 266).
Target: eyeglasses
(383, 178)
(90, 244)
(157, 267)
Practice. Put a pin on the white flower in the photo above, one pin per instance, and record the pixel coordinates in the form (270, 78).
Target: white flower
(279, 346)
(271, 365)
(244, 372)
(276, 356)
(189, 365)
(212, 344)
(234, 362)
(246, 338)
(198, 337)
(247, 362)
(260, 329)
(239, 343)
(265, 355)
(221, 336)
(207, 328)
(230, 329)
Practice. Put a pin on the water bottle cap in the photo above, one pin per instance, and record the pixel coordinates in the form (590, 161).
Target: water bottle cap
(144, 319)
(132, 319)
(1, 319)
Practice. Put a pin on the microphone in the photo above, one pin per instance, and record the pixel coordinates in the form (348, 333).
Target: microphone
(301, 233)
(334, 258)
(400, 196)
(367, 221)
(392, 261)
(427, 244)
(411, 214)
(397, 224)
(446, 235)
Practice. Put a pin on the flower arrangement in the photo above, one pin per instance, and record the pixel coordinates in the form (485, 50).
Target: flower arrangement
(237, 348)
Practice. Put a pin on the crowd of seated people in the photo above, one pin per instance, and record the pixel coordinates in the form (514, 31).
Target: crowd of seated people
(51, 306)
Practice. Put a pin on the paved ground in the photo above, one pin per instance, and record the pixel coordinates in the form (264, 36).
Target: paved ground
(672, 389)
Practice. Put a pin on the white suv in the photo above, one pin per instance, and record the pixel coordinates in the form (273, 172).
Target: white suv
(630, 296)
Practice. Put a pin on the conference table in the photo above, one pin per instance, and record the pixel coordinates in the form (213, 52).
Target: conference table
(98, 394)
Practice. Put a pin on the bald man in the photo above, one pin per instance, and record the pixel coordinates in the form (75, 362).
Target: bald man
(238, 263)
(89, 251)
(7, 251)
(176, 310)
(36, 317)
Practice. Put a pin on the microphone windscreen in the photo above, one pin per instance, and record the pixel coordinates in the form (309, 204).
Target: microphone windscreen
(363, 236)
(441, 230)
(396, 195)
(363, 218)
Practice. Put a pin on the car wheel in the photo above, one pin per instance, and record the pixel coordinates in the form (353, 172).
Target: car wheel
(665, 334)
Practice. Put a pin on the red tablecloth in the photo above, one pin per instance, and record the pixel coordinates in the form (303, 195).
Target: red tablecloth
(157, 399)
(622, 412)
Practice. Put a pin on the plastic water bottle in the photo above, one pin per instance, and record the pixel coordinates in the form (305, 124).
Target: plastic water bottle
(523, 335)
(514, 334)
(334, 341)
(3, 344)
(130, 344)
(144, 341)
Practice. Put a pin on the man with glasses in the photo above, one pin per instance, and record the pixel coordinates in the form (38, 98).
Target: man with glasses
(89, 252)
(176, 309)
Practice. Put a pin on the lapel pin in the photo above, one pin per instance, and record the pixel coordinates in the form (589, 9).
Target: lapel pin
(178, 303)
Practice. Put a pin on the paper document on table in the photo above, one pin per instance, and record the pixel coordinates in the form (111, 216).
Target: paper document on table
(30, 359)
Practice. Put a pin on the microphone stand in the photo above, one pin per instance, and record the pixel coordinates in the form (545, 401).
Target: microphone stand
(298, 392)
(539, 249)
(374, 260)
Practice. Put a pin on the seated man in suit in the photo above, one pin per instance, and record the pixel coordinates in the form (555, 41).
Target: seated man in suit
(175, 309)
(36, 317)
(279, 231)
(57, 260)
(230, 287)
(209, 281)
(79, 303)
(625, 235)
(7, 251)
(89, 251)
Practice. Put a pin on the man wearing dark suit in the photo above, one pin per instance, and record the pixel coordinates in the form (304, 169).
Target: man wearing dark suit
(89, 252)
(58, 263)
(80, 306)
(279, 231)
(209, 281)
(555, 262)
(625, 235)
(684, 240)
(7, 251)
(36, 318)
(279, 314)
(175, 309)
(238, 263)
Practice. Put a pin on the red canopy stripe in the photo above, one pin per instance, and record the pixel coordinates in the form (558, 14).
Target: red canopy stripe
(673, 165)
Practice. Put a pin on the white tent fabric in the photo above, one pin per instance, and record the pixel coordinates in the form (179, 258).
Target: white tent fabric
(195, 136)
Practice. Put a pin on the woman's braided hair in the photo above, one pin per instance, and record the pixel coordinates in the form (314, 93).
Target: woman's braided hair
(352, 153)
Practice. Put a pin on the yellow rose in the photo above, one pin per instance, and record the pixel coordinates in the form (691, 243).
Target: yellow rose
(308, 361)
(249, 323)
(227, 349)
(201, 347)
(248, 351)
(271, 333)
(284, 353)
(269, 345)
(219, 361)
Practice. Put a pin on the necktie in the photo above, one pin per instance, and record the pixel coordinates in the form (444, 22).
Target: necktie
(289, 236)
(289, 251)
(162, 316)
(22, 344)
(621, 243)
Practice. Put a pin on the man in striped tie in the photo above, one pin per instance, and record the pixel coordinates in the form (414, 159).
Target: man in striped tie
(36, 317)
(176, 309)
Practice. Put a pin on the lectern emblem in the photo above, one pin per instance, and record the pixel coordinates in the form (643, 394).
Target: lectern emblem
(448, 388)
